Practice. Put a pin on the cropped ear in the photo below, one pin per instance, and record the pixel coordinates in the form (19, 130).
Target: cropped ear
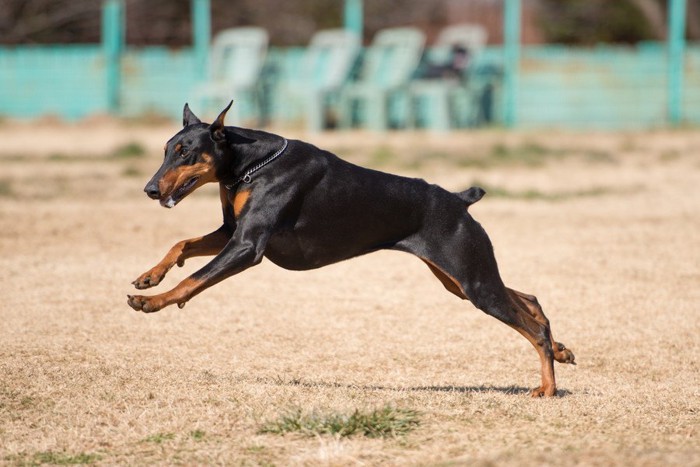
(188, 118)
(216, 129)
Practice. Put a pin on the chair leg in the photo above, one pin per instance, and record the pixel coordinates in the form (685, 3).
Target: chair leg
(315, 111)
(376, 111)
(345, 111)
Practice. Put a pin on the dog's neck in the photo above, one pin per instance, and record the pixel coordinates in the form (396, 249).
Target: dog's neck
(243, 149)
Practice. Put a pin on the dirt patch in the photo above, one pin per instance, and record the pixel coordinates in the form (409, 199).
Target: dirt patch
(610, 246)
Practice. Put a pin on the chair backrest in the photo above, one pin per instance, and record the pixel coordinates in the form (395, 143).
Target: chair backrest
(237, 55)
(393, 57)
(468, 36)
(329, 58)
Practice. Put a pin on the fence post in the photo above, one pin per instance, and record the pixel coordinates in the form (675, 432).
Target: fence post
(353, 17)
(201, 35)
(113, 45)
(675, 64)
(511, 68)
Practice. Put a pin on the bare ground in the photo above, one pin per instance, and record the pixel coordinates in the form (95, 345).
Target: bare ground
(604, 228)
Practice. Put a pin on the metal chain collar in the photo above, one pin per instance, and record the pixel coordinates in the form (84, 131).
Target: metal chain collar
(246, 178)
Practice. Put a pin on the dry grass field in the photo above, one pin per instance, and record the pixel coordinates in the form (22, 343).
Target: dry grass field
(603, 227)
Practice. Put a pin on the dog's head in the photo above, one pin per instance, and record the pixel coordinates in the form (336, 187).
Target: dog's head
(192, 158)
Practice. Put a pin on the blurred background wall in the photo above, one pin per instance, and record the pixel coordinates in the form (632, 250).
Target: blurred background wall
(580, 63)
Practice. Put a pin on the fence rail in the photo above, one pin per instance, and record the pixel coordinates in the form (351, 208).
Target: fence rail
(602, 87)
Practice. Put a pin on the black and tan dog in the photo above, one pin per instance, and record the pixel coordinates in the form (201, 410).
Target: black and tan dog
(304, 208)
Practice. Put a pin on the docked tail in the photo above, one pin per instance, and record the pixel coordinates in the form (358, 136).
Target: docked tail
(471, 195)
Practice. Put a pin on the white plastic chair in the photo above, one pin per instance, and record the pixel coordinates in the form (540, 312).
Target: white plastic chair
(325, 68)
(435, 96)
(236, 60)
(388, 66)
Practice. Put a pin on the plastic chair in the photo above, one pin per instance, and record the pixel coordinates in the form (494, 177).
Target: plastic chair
(236, 61)
(446, 102)
(326, 67)
(383, 81)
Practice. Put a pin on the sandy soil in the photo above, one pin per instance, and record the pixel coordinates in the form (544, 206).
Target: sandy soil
(603, 228)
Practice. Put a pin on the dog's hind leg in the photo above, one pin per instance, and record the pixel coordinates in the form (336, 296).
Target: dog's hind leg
(449, 282)
(530, 303)
(466, 266)
(508, 308)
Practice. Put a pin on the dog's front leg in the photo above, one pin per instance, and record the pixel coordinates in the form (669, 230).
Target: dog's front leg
(245, 249)
(210, 244)
(180, 294)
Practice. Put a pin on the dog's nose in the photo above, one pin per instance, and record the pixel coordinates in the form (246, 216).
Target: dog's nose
(152, 191)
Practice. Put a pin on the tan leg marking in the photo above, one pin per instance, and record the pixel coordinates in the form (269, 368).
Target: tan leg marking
(180, 295)
(239, 202)
(449, 282)
(530, 303)
(208, 245)
(530, 329)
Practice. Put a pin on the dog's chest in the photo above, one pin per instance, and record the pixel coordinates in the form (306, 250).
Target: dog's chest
(285, 249)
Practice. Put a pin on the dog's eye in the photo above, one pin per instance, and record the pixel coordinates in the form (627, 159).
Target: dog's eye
(184, 153)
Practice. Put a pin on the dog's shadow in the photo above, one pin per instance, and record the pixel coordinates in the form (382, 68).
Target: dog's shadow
(482, 389)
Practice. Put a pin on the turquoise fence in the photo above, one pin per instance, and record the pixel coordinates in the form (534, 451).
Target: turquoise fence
(66, 81)
(157, 80)
(604, 87)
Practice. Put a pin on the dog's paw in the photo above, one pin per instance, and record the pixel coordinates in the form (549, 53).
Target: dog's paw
(145, 304)
(563, 355)
(543, 391)
(150, 278)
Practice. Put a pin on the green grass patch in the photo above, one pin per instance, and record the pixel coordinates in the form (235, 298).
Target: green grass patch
(527, 154)
(379, 423)
(61, 157)
(147, 118)
(159, 438)
(55, 458)
(530, 154)
(125, 152)
(6, 188)
(669, 155)
(197, 435)
(534, 194)
(130, 150)
(381, 156)
(598, 155)
(256, 448)
(131, 172)
(59, 458)
(28, 402)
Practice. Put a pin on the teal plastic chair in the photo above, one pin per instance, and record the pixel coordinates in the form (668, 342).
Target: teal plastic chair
(386, 70)
(326, 67)
(236, 61)
(442, 104)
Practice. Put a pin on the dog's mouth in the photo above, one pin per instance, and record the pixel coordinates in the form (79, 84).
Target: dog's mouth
(177, 196)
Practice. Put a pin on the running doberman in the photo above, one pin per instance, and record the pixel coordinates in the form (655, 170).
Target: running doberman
(303, 208)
